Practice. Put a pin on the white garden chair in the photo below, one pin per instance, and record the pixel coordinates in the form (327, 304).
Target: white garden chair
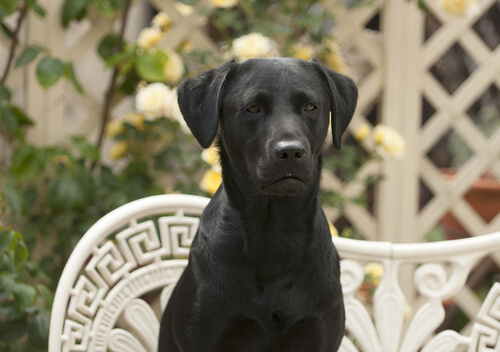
(120, 275)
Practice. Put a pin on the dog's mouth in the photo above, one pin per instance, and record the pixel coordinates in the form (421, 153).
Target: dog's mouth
(287, 185)
(288, 177)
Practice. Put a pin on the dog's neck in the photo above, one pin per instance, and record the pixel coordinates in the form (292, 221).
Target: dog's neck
(275, 228)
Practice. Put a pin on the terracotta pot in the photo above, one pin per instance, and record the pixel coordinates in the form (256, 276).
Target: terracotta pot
(483, 196)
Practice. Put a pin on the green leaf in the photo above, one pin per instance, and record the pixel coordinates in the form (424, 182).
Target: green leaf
(86, 149)
(10, 121)
(118, 4)
(48, 71)
(4, 94)
(6, 238)
(104, 7)
(21, 116)
(8, 32)
(39, 10)
(13, 197)
(12, 330)
(107, 177)
(107, 45)
(73, 10)
(66, 193)
(38, 329)
(435, 235)
(8, 7)
(69, 73)
(150, 66)
(127, 54)
(7, 282)
(28, 162)
(130, 82)
(24, 296)
(20, 251)
(28, 55)
(46, 294)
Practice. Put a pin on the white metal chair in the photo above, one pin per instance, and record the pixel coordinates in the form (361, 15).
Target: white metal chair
(120, 276)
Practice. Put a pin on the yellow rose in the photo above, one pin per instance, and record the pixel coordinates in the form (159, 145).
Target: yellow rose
(303, 51)
(210, 155)
(118, 149)
(150, 100)
(174, 68)
(148, 37)
(211, 181)
(388, 142)
(333, 230)
(61, 160)
(251, 46)
(186, 47)
(184, 10)
(173, 111)
(114, 127)
(374, 272)
(333, 58)
(162, 21)
(459, 7)
(135, 119)
(226, 4)
(362, 132)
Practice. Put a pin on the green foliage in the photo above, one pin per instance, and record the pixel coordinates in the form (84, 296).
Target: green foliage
(12, 119)
(77, 9)
(70, 75)
(28, 55)
(24, 306)
(48, 71)
(7, 7)
(73, 10)
(150, 65)
(60, 192)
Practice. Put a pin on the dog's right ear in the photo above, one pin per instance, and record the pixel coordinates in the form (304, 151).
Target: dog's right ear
(199, 101)
(344, 96)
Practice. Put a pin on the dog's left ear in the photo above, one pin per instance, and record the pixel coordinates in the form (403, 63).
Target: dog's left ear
(344, 96)
(199, 101)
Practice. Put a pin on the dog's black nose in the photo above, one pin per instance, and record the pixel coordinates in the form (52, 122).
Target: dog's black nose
(289, 150)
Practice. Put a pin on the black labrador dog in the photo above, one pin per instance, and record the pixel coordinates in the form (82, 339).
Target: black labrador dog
(263, 274)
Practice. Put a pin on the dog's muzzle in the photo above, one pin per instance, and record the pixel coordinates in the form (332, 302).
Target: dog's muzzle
(288, 169)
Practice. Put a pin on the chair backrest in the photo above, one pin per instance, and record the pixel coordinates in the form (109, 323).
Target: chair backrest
(120, 275)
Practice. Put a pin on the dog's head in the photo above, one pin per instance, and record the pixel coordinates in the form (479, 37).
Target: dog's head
(273, 114)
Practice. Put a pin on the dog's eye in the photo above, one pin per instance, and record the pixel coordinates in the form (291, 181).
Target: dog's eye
(253, 109)
(309, 107)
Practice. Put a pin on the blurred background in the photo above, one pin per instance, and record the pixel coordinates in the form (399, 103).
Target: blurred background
(89, 121)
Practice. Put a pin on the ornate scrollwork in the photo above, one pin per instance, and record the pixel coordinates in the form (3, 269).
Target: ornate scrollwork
(485, 334)
(116, 274)
(142, 244)
(432, 281)
(108, 265)
(180, 232)
(352, 276)
(358, 320)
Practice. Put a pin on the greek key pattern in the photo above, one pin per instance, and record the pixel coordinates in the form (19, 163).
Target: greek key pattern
(144, 257)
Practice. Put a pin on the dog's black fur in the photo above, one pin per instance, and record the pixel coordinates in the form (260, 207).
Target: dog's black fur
(263, 274)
